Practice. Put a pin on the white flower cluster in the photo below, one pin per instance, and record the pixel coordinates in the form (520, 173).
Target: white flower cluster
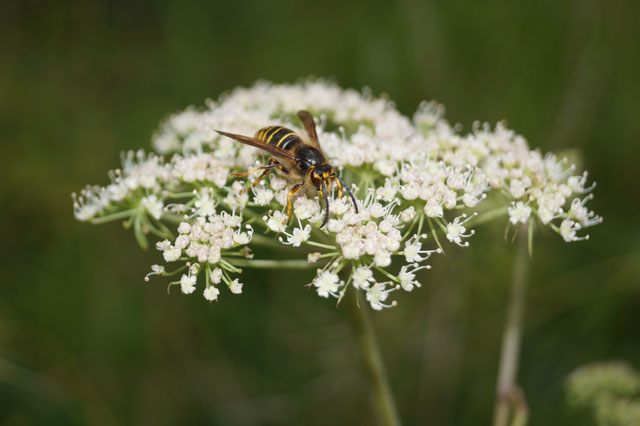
(410, 177)
(141, 174)
(362, 242)
(206, 242)
(536, 184)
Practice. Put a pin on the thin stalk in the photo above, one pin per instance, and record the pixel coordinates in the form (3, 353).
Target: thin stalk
(270, 264)
(520, 409)
(324, 246)
(270, 242)
(507, 392)
(173, 218)
(180, 194)
(383, 401)
(111, 217)
(488, 216)
(229, 266)
(435, 234)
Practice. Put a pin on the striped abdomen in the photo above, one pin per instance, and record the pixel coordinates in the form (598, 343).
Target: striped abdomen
(279, 136)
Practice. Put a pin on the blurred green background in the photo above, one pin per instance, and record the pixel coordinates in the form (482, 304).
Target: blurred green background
(83, 340)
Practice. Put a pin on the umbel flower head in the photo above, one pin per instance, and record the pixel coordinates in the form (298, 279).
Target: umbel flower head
(609, 389)
(418, 181)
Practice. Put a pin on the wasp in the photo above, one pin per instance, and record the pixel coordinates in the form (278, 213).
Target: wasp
(300, 160)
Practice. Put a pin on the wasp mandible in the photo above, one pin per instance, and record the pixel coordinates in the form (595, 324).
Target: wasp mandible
(300, 160)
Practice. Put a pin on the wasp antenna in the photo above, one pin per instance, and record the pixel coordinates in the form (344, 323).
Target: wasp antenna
(326, 202)
(353, 199)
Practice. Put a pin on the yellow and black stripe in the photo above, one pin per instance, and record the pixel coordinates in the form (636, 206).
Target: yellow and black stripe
(279, 136)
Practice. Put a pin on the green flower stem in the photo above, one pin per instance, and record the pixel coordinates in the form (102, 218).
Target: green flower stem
(324, 246)
(508, 393)
(137, 230)
(185, 194)
(177, 271)
(488, 216)
(115, 216)
(435, 234)
(271, 264)
(383, 400)
(520, 410)
(388, 275)
(173, 218)
(271, 242)
(229, 266)
(409, 229)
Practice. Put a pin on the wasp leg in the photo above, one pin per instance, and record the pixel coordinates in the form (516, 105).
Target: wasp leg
(266, 169)
(323, 192)
(297, 187)
(250, 172)
(339, 185)
(274, 164)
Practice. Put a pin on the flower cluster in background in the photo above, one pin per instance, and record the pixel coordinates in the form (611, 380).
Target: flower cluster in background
(419, 182)
(609, 390)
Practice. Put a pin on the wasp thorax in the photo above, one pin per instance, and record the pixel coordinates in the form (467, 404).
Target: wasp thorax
(308, 156)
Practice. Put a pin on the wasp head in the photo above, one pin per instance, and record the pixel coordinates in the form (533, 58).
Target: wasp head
(322, 173)
(323, 176)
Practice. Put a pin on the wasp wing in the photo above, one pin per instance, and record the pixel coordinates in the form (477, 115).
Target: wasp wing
(310, 127)
(278, 152)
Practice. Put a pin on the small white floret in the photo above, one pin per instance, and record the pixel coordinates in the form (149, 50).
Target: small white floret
(456, 230)
(216, 276)
(235, 286)
(211, 293)
(188, 283)
(299, 236)
(327, 283)
(519, 212)
(171, 254)
(362, 277)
